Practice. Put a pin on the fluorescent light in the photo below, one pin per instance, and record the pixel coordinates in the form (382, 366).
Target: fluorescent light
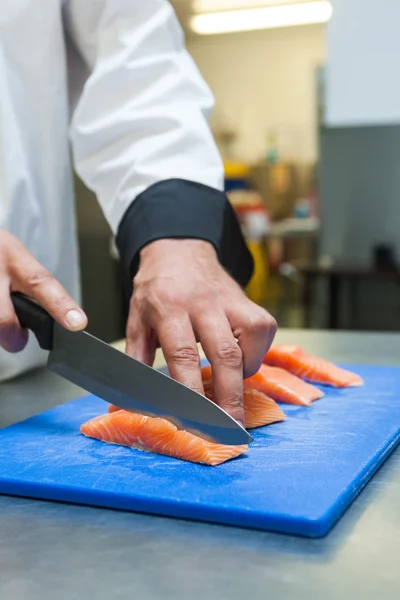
(305, 13)
(206, 6)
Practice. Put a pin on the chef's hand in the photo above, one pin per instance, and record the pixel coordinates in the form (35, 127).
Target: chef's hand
(182, 294)
(20, 272)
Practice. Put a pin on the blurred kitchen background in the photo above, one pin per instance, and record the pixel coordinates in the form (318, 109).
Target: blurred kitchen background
(307, 119)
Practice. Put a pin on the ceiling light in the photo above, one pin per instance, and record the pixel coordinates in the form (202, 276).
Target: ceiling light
(206, 6)
(289, 15)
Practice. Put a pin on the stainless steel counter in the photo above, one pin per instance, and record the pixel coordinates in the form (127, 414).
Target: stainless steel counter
(53, 551)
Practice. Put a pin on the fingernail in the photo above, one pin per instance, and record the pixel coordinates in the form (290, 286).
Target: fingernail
(75, 318)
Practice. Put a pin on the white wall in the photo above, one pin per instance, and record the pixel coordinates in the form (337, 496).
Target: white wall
(363, 79)
(265, 80)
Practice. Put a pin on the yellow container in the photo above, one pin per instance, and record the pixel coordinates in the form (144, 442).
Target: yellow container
(254, 223)
(258, 285)
(235, 169)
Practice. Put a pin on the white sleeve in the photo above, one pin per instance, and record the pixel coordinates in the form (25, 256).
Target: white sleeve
(142, 115)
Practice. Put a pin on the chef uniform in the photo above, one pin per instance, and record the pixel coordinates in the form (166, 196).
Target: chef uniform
(110, 80)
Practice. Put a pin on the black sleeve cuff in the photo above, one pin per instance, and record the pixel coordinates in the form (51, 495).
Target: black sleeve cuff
(177, 208)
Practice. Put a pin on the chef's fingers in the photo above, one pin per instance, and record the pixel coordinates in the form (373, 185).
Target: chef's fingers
(255, 329)
(177, 340)
(225, 356)
(32, 279)
(140, 341)
(12, 337)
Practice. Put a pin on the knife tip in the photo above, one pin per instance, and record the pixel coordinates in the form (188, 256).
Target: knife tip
(250, 439)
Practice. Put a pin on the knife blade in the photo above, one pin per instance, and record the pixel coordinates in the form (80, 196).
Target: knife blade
(119, 379)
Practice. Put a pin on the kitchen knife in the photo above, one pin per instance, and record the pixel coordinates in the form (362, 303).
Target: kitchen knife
(121, 380)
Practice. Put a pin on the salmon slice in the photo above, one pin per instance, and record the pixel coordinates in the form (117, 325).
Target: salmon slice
(154, 434)
(283, 386)
(279, 385)
(318, 370)
(259, 409)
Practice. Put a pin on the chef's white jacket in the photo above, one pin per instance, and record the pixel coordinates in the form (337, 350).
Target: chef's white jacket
(112, 80)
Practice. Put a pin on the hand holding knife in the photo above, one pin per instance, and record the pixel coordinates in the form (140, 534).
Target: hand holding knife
(121, 380)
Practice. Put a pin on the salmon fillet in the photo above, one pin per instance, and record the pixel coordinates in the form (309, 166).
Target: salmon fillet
(283, 386)
(279, 385)
(318, 370)
(154, 434)
(259, 409)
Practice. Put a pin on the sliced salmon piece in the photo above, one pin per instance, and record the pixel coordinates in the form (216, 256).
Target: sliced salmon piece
(283, 386)
(278, 384)
(318, 370)
(259, 409)
(154, 434)
(206, 373)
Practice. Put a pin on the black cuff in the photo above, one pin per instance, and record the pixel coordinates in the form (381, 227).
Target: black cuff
(177, 208)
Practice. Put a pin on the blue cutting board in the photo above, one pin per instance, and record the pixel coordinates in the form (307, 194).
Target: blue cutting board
(298, 477)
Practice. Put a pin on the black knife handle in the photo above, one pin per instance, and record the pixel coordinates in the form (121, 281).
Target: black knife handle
(34, 317)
